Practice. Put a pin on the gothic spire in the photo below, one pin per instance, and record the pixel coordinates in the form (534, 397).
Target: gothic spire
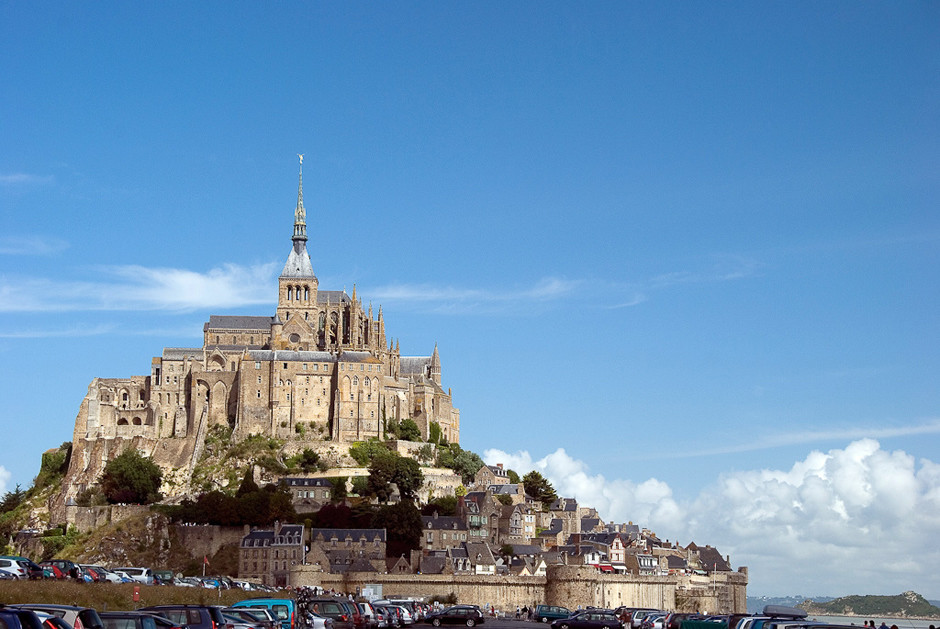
(300, 214)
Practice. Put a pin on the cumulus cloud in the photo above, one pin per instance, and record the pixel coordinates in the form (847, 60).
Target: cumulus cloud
(859, 519)
(143, 288)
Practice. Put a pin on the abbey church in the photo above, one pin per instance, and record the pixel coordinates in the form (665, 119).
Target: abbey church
(319, 369)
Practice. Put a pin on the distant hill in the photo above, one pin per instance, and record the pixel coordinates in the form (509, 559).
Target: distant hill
(906, 605)
(755, 604)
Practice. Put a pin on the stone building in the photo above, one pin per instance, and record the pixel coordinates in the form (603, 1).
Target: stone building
(266, 556)
(321, 367)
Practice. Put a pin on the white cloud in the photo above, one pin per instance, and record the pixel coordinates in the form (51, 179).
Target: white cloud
(4, 479)
(11, 179)
(142, 288)
(30, 245)
(854, 520)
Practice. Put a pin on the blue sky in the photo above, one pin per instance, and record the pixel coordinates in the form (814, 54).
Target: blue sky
(680, 257)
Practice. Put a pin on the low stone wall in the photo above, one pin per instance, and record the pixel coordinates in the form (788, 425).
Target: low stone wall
(86, 519)
(569, 586)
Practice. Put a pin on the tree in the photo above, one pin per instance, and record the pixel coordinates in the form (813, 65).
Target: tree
(513, 477)
(391, 468)
(131, 478)
(402, 524)
(539, 488)
(360, 485)
(364, 451)
(506, 551)
(408, 430)
(434, 432)
(445, 505)
(339, 491)
(504, 499)
(462, 461)
(248, 485)
(12, 499)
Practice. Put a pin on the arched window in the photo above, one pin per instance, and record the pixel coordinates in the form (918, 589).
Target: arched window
(289, 291)
(355, 381)
(122, 422)
(306, 293)
(137, 421)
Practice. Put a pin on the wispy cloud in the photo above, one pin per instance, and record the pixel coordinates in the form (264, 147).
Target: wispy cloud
(4, 479)
(453, 299)
(725, 268)
(142, 288)
(930, 427)
(30, 245)
(14, 179)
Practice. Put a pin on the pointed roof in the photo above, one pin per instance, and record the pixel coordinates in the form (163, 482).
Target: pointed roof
(298, 262)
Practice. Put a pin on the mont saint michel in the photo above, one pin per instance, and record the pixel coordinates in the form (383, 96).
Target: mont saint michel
(320, 368)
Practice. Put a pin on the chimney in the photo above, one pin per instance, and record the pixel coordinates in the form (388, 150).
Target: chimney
(499, 465)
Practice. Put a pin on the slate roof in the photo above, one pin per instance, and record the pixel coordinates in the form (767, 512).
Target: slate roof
(298, 264)
(526, 549)
(228, 322)
(357, 357)
(290, 356)
(179, 353)
(674, 562)
(414, 364)
(441, 523)
(711, 559)
(509, 490)
(353, 534)
(432, 564)
(333, 297)
(307, 482)
(290, 535)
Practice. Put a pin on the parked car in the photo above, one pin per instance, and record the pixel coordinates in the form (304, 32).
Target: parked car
(338, 610)
(589, 619)
(141, 575)
(51, 571)
(136, 620)
(368, 614)
(284, 609)
(33, 570)
(547, 613)
(255, 617)
(70, 569)
(468, 615)
(78, 617)
(52, 622)
(17, 618)
(637, 616)
(193, 616)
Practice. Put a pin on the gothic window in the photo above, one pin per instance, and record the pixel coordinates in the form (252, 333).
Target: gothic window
(355, 381)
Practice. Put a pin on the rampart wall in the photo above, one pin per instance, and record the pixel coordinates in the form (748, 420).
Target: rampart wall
(569, 586)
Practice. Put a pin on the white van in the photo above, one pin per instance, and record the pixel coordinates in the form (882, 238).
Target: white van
(143, 575)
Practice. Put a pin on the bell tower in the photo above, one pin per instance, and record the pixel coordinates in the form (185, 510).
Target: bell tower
(297, 284)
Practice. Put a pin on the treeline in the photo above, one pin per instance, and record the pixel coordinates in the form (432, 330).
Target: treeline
(251, 504)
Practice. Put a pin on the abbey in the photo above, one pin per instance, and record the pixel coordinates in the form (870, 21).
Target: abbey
(319, 369)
